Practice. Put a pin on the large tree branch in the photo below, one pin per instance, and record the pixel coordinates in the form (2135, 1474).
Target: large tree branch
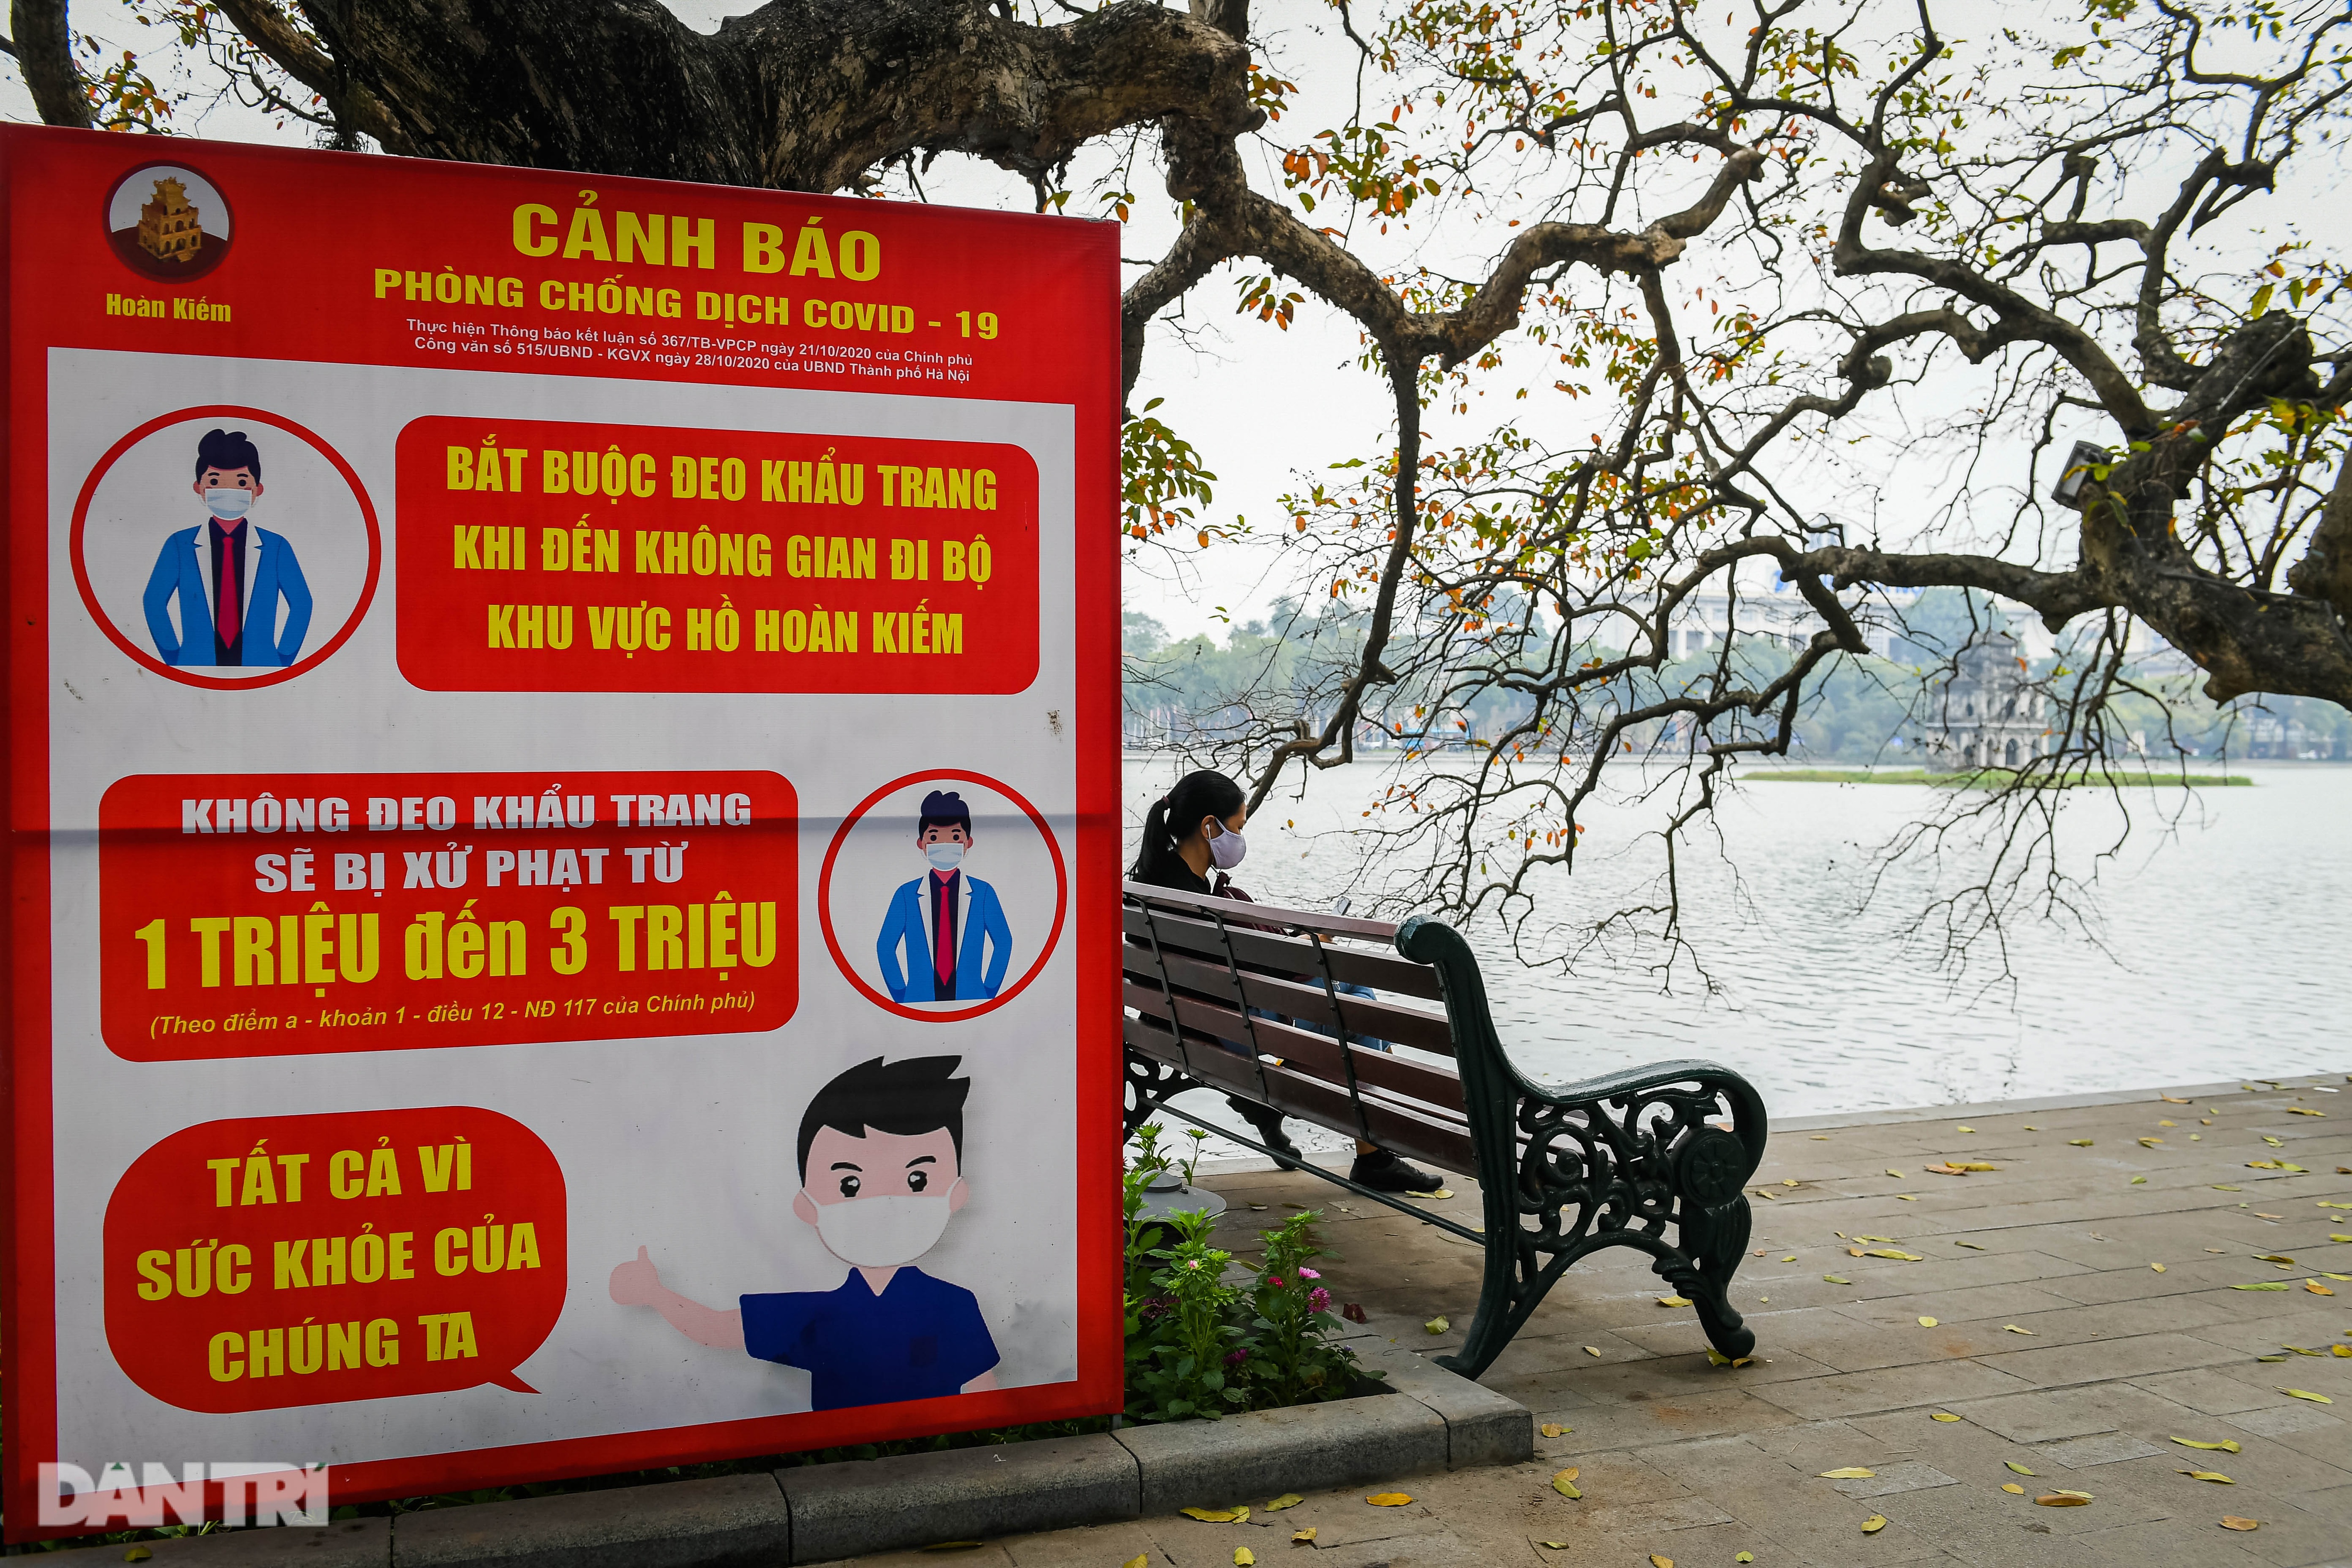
(799, 95)
(294, 48)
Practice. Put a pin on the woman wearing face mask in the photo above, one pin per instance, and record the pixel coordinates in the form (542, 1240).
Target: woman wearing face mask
(1194, 828)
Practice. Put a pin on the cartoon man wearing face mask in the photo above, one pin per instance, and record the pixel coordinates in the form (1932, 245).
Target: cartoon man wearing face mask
(948, 923)
(227, 573)
(881, 1164)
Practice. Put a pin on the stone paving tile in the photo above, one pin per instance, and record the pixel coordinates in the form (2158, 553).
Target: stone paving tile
(2210, 1391)
(2103, 1449)
(1639, 1427)
(1891, 1388)
(2002, 1304)
(1902, 1476)
(2094, 1362)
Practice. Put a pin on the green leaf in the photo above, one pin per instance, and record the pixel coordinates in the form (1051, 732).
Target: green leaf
(2262, 300)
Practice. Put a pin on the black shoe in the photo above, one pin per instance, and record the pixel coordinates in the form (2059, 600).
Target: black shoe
(1268, 1121)
(1384, 1173)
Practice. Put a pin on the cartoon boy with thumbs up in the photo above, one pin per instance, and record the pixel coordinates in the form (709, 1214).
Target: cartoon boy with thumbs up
(881, 1161)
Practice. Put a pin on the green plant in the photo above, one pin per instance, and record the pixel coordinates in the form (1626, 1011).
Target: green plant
(1200, 1345)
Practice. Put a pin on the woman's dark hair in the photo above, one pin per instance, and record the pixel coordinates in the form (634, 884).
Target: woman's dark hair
(1173, 815)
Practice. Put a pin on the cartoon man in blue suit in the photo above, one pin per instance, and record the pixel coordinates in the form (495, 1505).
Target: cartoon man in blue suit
(948, 923)
(881, 1170)
(228, 574)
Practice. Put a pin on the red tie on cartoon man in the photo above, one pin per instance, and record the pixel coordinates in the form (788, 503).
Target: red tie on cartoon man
(943, 957)
(226, 624)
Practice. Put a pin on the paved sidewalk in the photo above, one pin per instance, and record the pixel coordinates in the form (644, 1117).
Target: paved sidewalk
(1698, 1464)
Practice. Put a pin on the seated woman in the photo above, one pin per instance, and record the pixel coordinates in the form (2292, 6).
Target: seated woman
(1196, 826)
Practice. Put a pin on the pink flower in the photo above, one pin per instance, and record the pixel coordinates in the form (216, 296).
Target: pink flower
(1310, 1274)
(1318, 1299)
(1235, 1358)
(1273, 1279)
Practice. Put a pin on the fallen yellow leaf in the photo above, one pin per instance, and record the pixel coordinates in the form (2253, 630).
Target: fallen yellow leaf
(1553, 1545)
(1926, 1322)
(1288, 1500)
(1836, 1279)
(1744, 1557)
(1943, 1416)
(1564, 1483)
(1874, 1524)
(1214, 1515)
(1306, 1538)
(2063, 1499)
(2307, 1394)
(137, 1555)
(1244, 1557)
(2149, 1143)
(1552, 1429)
(2157, 1267)
(2316, 1289)
(2340, 1349)
(1141, 1560)
(2233, 1521)
(1658, 1562)
(1972, 1245)
(1851, 1473)
(2013, 1329)
(1896, 1175)
(2078, 1142)
(1967, 1129)
(2227, 1445)
(1439, 1192)
(1592, 1350)
(1788, 1180)
(1387, 1499)
(2012, 1488)
(2018, 1469)
(1437, 1325)
(1896, 1253)
(1674, 1300)
(2208, 1475)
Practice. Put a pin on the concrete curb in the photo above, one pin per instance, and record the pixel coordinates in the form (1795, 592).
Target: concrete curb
(1427, 1419)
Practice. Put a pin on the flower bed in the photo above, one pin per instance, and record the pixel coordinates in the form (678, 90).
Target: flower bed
(1200, 1345)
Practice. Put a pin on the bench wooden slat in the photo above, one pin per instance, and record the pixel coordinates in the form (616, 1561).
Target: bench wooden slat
(1299, 999)
(1432, 1082)
(1381, 934)
(1280, 953)
(1419, 1134)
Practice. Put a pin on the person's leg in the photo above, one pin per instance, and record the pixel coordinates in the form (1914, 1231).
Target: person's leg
(1265, 1119)
(1376, 1167)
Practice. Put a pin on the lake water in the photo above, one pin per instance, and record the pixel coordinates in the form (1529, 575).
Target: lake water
(2222, 943)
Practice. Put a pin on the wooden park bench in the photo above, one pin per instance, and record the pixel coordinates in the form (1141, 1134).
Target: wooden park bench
(1655, 1158)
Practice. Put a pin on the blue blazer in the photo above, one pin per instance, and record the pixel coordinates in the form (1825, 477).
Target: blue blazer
(185, 567)
(978, 916)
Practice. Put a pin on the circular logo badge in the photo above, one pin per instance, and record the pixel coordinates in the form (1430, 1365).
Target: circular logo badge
(943, 894)
(148, 553)
(167, 222)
